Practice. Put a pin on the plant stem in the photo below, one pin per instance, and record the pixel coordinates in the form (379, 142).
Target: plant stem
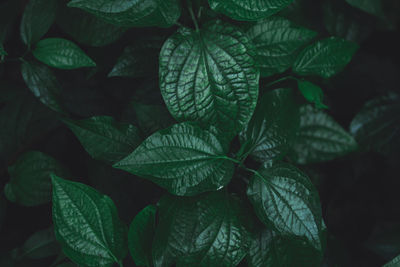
(281, 80)
(190, 7)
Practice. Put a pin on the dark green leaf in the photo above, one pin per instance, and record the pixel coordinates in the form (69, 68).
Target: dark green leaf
(393, 263)
(271, 131)
(141, 13)
(184, 159)
(325, 58)
(43, 84)
(285, 200)
(86, 224)
(140, 236)
(207, 230)
(373, 7)
(61, 53)
(40, 245)
(210, 76)
(277, 44)
(312, 93)
(37, 19)
(30, 183)
(320, 138)
(104, 138)
(249, 9)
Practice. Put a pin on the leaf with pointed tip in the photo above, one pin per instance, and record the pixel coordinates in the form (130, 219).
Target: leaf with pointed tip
(320, 138)
(285, 200)
(140, 236)
(312, 93)
(30, 183)
(62, 54)
(207, 230)
(104, 138)
(41, 244)
(184, 159)
(249, 10)
(86, 224)
(210, 76)
(277, 43)
(325, 58)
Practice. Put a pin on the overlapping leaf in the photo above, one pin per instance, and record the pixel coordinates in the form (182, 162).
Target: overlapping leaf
(40, 245)
(311, 93)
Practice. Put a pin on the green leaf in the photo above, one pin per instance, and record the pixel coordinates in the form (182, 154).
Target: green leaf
(41, 244)
(207, 230)
(86, 224)
(325, 58)
(210, 76)
(271, 131)
(62, 54)
(373, 7)
(277, 43)
(249, 10)
(320, 138)
(394, 262)
(140, 13)
(285, 200)
(42, 83)
(37, 19)
(268, 249)
(312, 93)
(140, 236)
(376, 125)
(30, 183)
(184, 159)
(104, 138)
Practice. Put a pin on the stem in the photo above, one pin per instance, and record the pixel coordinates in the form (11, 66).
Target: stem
(190, 7)
(120, 264)
(179, 24)
(199, 13)
(281, 80)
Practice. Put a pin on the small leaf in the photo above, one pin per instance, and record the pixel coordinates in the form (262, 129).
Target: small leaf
(86, 224)
(41, 244)
(207, 230)
(277, 44)
(30, 183)
(37, 19)
(312, 93)
(140, 236)
(320, 138)
(61, 53)
(249, 10)
(325, 58)
(184, 159)
(104, 138)
(285, 200)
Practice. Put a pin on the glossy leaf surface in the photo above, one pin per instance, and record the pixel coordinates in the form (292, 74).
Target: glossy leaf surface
(312, 93)
(86, 224)
(393, 263)
(184, 159)
(62, 54)
(210, 76)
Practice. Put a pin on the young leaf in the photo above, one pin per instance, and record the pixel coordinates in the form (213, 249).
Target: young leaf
(312, 93)
(210, 76)
(41, 244)
(104, 138)
(142, 13)
(86, 224)
(286, 201)
(320, 138)
(271, 131)
(277, 44)
(325, 58)
(30, 183)
(249, 10)
(140, 236)
(207, 230)
(61, 53)
(43, 84)
(184, 159)
(37, 19)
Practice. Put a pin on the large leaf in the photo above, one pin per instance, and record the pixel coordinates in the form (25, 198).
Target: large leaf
(184, 159)
(38, 17)
(277, 43)
(325, 58)
(320, 138)
(271, 131)
(377, 125)
(140, 236)
(207, 230)
(40, 245)
(139, 13)
(210, 76)
(394, 262)
(30, 183)
(86, 224)
(61, 53)
(104, 138)
(249, 9)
